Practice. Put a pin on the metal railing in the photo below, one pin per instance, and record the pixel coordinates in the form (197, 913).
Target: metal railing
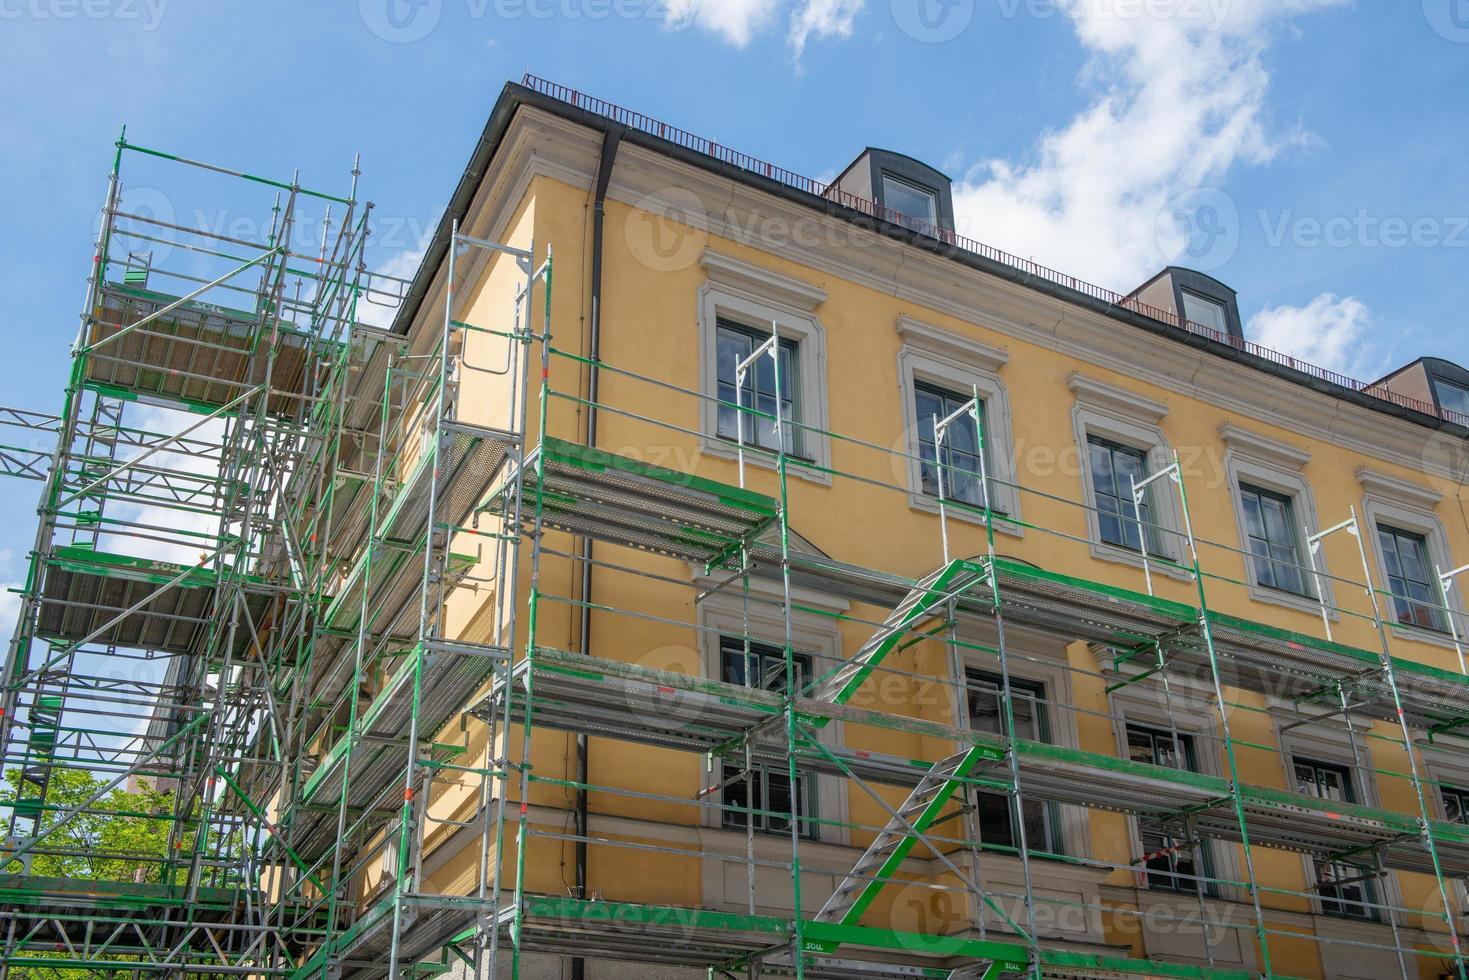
(788, 178)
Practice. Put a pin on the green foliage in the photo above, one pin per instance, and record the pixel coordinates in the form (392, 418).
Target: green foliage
(121, 837)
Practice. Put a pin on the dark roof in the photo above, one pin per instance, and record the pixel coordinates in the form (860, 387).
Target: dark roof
(515, 96)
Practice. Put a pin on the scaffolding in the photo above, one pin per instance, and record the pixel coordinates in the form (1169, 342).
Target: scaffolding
(253, 515)
(330, 555)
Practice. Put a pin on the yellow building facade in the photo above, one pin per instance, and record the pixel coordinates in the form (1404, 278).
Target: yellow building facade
(692, 294)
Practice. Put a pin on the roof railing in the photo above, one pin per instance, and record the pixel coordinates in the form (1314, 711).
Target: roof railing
(789, 178)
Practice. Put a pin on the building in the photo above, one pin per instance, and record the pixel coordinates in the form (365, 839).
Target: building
(701, 544)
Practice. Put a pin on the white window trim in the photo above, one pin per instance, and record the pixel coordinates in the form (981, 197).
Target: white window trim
(1446, 760)
(1409, 507)
(755, 297)
(721, 614)
(1130, 419)
(1042, 660)
(1276, 466)
(1313, 742)
(1193, 713)
(960, 364)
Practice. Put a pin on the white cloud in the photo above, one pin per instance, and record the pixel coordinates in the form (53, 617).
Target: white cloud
(379, 306)
(738, 21)
(9, 608)
(823, 19)
(1329, 332)
(1177, 101)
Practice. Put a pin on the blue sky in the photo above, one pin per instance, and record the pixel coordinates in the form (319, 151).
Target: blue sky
(1311, 153)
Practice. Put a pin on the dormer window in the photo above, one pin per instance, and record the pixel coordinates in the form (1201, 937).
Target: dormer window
(1452, 397)
(1205, 312)
(913, 201)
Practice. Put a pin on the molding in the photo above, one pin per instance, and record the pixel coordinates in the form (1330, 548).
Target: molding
(1397, 489)
(732, 273)
(946, 343)
(1264, 448)
(568, 152)
(1116, 400)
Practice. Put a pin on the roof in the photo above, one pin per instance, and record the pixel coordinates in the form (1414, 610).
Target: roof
(649, 133)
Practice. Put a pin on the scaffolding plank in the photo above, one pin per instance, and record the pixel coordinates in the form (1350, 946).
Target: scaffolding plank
(163, 358)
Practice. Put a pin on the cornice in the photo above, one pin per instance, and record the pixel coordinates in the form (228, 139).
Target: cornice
(732, 273)
(841, 249)
(1260, 447)
(946, 343)
(1397, 489)
(1116, 400)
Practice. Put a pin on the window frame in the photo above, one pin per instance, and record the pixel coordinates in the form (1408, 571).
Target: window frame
(946, 396)
(1299, 555)
(753, 423)
(1051, 820)
(753, 297)
(1143, 517)
(805, 789)
(1383, 530)
(1278, 467)
(1461, 390)
(941, 358)
(929, 220)
(1131, 419)
(1371, 887)
(1203, 880)
(1223, 327)
(1411, 507)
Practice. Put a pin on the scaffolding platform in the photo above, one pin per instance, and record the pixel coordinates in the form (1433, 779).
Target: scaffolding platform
(451, 675)
(660, 708)
(705, 939)
(640, 505)
(82, 591)
(430, 923)
(199, 355)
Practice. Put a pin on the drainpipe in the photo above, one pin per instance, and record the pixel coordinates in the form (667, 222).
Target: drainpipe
(610, 143)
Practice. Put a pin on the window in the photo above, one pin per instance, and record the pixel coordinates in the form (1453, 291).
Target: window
(913, 201)
(1410, 577)
(769, 788)
(1169, 862)
(996, 823)
(1453, 397)
(1270, 528)
(961, 445)
(735, 344)
(1205, 312)
(1114, 470)
(1455, 804)
(1345, 890)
